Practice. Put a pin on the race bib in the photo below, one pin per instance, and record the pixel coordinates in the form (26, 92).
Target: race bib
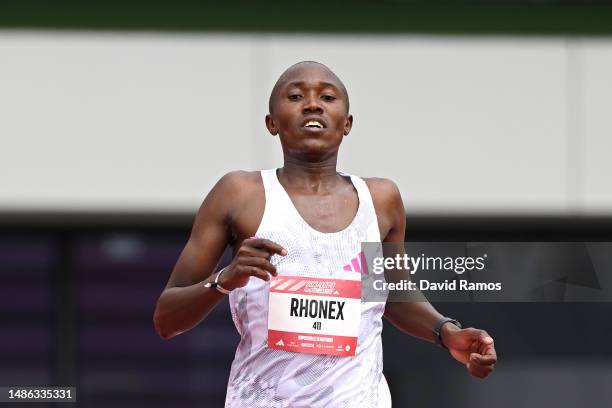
(314, 315)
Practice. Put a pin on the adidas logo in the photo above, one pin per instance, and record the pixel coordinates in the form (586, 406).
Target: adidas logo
(358, 264)
(291, 285)
(280, 343)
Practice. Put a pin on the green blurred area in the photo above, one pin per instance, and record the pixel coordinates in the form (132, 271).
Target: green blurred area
(530, 17)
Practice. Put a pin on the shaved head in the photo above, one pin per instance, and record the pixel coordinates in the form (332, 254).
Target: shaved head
(289, 73)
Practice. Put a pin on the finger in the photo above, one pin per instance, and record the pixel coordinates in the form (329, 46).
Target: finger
(479, 371)
(485, 338)
(489, 351)
(472, 337)
(487, 346)
(479, 335)
(480, 339)
(267, 245)
(482, 371)
(261, 263)
(475, 347)
(258, 273)
(255, 252)
(482, 360)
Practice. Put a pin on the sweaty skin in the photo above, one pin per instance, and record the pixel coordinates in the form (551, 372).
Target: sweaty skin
(309, 114)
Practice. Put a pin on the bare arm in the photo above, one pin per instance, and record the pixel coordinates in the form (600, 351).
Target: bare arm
(185, 301)
(415, 318)
(472, 347)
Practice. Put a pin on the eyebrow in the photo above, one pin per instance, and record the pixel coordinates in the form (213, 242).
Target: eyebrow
(322, 83)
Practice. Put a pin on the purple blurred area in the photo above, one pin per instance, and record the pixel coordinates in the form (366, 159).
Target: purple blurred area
(76, 308)
(29, 256)
(25, 312)
(120, 357)
(79, 308)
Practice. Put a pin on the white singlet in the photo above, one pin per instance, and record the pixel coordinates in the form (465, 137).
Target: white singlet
(262, 377)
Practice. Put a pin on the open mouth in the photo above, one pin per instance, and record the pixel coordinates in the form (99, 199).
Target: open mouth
(314, 124)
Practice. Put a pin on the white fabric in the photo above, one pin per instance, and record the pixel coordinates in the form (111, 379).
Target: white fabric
(262, 377)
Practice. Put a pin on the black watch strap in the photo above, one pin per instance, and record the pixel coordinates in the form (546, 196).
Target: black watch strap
(438, 329)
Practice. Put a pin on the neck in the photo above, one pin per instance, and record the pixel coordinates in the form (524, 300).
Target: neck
(310, 176)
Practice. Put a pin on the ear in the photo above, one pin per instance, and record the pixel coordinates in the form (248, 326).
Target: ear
(348, 125)
(270, 125)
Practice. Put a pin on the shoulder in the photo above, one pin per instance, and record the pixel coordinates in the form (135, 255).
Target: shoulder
(232, 191)
(239, 201)
(389, 207)
(385, 193)
(238, 182)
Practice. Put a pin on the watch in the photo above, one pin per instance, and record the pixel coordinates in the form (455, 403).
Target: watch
(216, 285)
(437, 331)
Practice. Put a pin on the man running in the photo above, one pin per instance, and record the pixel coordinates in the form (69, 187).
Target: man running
(296, 228)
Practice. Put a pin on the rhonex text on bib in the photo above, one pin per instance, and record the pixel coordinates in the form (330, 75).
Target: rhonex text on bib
(314, 315)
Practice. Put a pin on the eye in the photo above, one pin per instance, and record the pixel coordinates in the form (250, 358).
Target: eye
(328, 98)
(294, 97)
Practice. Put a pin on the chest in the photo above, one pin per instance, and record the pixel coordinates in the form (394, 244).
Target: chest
(326, 212)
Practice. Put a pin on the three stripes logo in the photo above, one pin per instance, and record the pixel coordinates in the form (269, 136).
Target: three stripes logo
(300, 285)
(289, 285)
(358, 264)
(303, 286)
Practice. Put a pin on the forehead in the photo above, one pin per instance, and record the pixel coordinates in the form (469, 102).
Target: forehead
(310, 74)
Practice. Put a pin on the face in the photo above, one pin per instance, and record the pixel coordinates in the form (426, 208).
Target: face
(309, 112)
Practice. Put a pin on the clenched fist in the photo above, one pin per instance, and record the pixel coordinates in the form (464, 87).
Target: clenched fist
(472, 347)
(252, 259)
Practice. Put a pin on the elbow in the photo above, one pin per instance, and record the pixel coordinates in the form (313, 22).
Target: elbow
(161, 327)
(161, 331)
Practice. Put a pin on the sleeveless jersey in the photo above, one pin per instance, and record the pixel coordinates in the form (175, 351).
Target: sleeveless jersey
(262, 377)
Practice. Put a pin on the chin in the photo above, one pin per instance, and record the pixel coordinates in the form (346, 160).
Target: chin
(317, 145)
(312, 144)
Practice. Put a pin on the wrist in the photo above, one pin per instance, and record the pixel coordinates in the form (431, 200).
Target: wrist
(218, 283)
(447, 330)
(222, 279)
(443, 331)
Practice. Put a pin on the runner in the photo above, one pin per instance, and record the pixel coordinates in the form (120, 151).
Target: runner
(307, 340)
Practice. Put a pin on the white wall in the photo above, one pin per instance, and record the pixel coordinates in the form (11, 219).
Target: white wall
(151, 121)
(597, 126)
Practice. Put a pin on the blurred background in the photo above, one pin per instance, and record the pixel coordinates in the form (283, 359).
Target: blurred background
(117, 117)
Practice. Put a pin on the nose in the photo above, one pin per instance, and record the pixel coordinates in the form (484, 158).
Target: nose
(312, 105)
